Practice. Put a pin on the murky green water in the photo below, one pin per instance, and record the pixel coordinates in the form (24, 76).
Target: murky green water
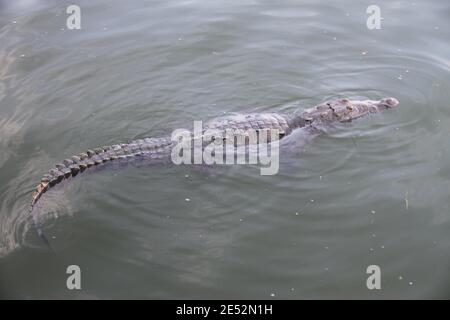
(375, 191)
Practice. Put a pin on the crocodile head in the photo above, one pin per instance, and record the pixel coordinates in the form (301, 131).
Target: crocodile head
(343, 110)
(347, 110)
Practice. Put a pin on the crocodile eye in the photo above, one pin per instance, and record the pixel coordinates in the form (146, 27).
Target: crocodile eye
(349, 108)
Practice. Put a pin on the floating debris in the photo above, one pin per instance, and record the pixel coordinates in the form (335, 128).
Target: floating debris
(187, 199)
(406, 200)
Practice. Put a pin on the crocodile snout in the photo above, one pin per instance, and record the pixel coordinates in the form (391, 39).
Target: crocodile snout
(389, 102)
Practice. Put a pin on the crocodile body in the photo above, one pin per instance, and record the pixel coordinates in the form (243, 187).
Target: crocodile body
(158, 148)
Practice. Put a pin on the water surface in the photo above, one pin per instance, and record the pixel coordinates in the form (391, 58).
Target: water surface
(375, 191)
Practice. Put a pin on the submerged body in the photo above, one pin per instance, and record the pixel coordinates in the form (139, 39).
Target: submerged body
(312, 120)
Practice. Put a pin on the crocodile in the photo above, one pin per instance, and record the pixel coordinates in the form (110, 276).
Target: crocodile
(312, 119)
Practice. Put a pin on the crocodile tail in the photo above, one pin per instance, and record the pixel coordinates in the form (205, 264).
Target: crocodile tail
(69, 168)
(79, 163)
